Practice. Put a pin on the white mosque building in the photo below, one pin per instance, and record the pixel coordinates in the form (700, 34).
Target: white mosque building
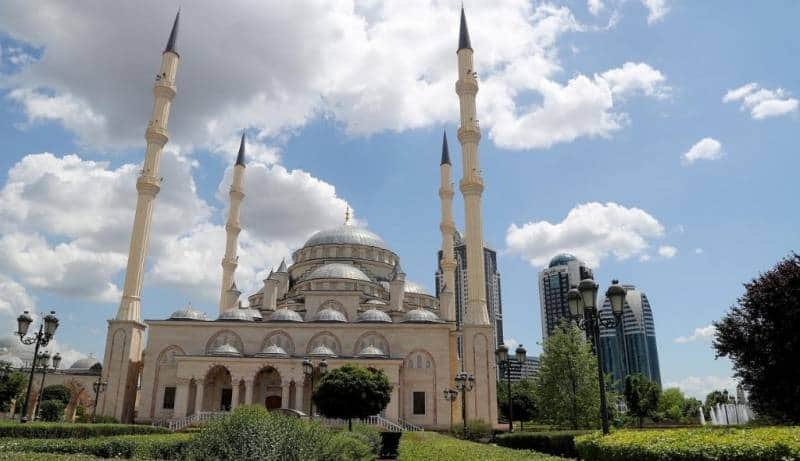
(344, 299)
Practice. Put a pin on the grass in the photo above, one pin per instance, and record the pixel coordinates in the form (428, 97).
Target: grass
(416, 446)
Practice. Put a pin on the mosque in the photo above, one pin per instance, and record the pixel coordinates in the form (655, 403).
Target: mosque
(343, 299)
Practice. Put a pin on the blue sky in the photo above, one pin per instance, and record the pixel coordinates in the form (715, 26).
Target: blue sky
(629, 137)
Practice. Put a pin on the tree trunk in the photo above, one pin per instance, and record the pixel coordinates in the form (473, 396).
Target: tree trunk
(350, 424)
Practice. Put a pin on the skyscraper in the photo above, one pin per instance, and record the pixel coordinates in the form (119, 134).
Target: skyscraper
(630, 347)
(555, 281)
(492, 276)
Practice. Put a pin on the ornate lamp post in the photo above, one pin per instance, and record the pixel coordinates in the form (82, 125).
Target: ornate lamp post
(308, 370)
(450, 395)
(98, 387)
(465, 382)
(46, 331)
(44, 362)
(583, 307)
(505, 364)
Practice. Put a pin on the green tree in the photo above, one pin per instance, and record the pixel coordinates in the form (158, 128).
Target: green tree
(522, 398)
(12, 383)
(566, 389)
(51, 410)
(641, 396)
(671, 404)
(56, 392)
(352, 392)
(759, 335)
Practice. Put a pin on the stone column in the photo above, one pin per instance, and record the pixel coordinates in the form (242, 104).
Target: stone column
(298, 396)
(235, 394)
(393, 409)
(198, 398)
(248, 391)
(285, 394)
(181, 398)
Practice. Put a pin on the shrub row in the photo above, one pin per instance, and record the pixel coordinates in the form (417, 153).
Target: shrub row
(125, 446)
(476, 430)
(418, 446)
(19, 456)
(75, 431)
(559, 443)
(702, 444)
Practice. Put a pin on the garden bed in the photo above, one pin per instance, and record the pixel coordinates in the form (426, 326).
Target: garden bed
(125, 446)
(417, 446)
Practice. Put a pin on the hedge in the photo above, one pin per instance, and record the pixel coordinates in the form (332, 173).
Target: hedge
(559, 443)
(19, 456)
(76, 431)
(125, 446)
(701, 444)
(417, 446)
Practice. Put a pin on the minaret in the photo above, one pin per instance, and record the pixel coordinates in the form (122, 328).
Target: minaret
(232, 229)
(124, 342)
(448, 228)
(469, 134)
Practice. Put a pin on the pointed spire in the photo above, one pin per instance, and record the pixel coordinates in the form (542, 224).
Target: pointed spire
(463, 33)
(173, 35)
(282, 267)
(240, 157)
(445, 150)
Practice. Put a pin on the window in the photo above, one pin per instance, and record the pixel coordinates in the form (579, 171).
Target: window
(419, 403)
(169, 398)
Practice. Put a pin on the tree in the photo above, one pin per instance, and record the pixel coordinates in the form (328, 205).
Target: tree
(51, 410)
(641, 396)
(56, 392)
(671, 404)
(522, 398)
(352, 392)
(12, 384)
(566, 388)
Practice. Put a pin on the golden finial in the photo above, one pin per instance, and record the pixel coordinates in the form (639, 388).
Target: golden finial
(347, 216)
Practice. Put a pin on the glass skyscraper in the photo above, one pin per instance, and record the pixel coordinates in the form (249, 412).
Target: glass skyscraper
(555, 281)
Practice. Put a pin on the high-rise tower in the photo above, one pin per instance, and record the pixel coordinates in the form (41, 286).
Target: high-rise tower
(448, 228)
(123, 353)
(232, 229)
(564, 271)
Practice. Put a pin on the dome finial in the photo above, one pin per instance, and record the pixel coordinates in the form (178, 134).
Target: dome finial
(347, 216)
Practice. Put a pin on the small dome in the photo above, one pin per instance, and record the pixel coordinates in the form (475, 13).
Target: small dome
(412, 287)
(374, 316)
(236, 314)
(188, 313)
(273, 350)
(329, 315)
(322, 351)
(420, 316)
(346, 235)
(285, 315)
(371, 351)
(254, 314)
(225, 350)
(562, 259)
(376, 301)
(338, 271)
(85, 363)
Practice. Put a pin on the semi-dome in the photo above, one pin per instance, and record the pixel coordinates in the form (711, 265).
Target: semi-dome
(371, 352)
(374, 316)
(412, 287)
(346, 234)
(338, 271)
(188, 313)
(420, 316)
(85, 363)
(285, 315)
(562, 259)
(322, 351)
(225, 350)
(236, 314)
(273, 350)
(330, 315)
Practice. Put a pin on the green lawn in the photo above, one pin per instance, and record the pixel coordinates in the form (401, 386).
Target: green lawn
(417, 446)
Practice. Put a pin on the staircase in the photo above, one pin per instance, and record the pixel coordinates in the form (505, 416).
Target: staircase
(177, 424)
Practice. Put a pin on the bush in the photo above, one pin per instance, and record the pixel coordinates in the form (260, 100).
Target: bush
(369, 435)
(560, 443)
(706, 444)
(102, 419)
(38, 430)
(476, 430)
(51, 410)
(347, 446)
(20, 456)
(125, 446)
(419, 446)
(56, 392)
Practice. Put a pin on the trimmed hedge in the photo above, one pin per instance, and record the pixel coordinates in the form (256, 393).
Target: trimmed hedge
(419, 446)
(702, 444)
(38, 430)
(19, 456)
(559, 443)
(125, 446)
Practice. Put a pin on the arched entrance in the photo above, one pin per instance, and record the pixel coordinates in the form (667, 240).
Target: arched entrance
(267, 388)
(218, 391)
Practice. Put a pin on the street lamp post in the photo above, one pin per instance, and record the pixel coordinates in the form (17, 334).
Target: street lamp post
(308, 370)
(505, 364)
(465, 382)
(450, 395)
(98, 387)
(44, 362)
(583, 307)
(46, 331)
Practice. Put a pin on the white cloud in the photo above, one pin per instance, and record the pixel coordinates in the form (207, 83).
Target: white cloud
(667, 251)
(704, 334)
(591, 231)
(657, 10)
(13, 297)
(705, 149)
(762, 103)
(700, 386)
(636, 77)
(595, 6)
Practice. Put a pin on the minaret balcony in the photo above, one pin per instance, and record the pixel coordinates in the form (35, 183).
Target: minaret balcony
(148, 184)
(466, 86)
(467, 134)
(156, 134)
(165, 89)
(472, 185)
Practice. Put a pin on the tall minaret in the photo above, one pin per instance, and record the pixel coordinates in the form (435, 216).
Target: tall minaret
(448, 229)
(471, 182)
(232, 229)
(125, 339)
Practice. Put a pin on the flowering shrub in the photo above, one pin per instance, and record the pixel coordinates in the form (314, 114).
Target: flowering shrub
(729, 444)
(418, 446)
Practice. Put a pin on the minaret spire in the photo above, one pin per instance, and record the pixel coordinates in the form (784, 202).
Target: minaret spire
(448, 228)
(173, 35)
(463, 33)
(232, 229)
(445, 150)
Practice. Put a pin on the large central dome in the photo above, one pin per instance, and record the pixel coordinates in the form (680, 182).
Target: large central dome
(346, 234)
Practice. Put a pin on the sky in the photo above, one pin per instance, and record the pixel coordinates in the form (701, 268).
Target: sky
(650, 138)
